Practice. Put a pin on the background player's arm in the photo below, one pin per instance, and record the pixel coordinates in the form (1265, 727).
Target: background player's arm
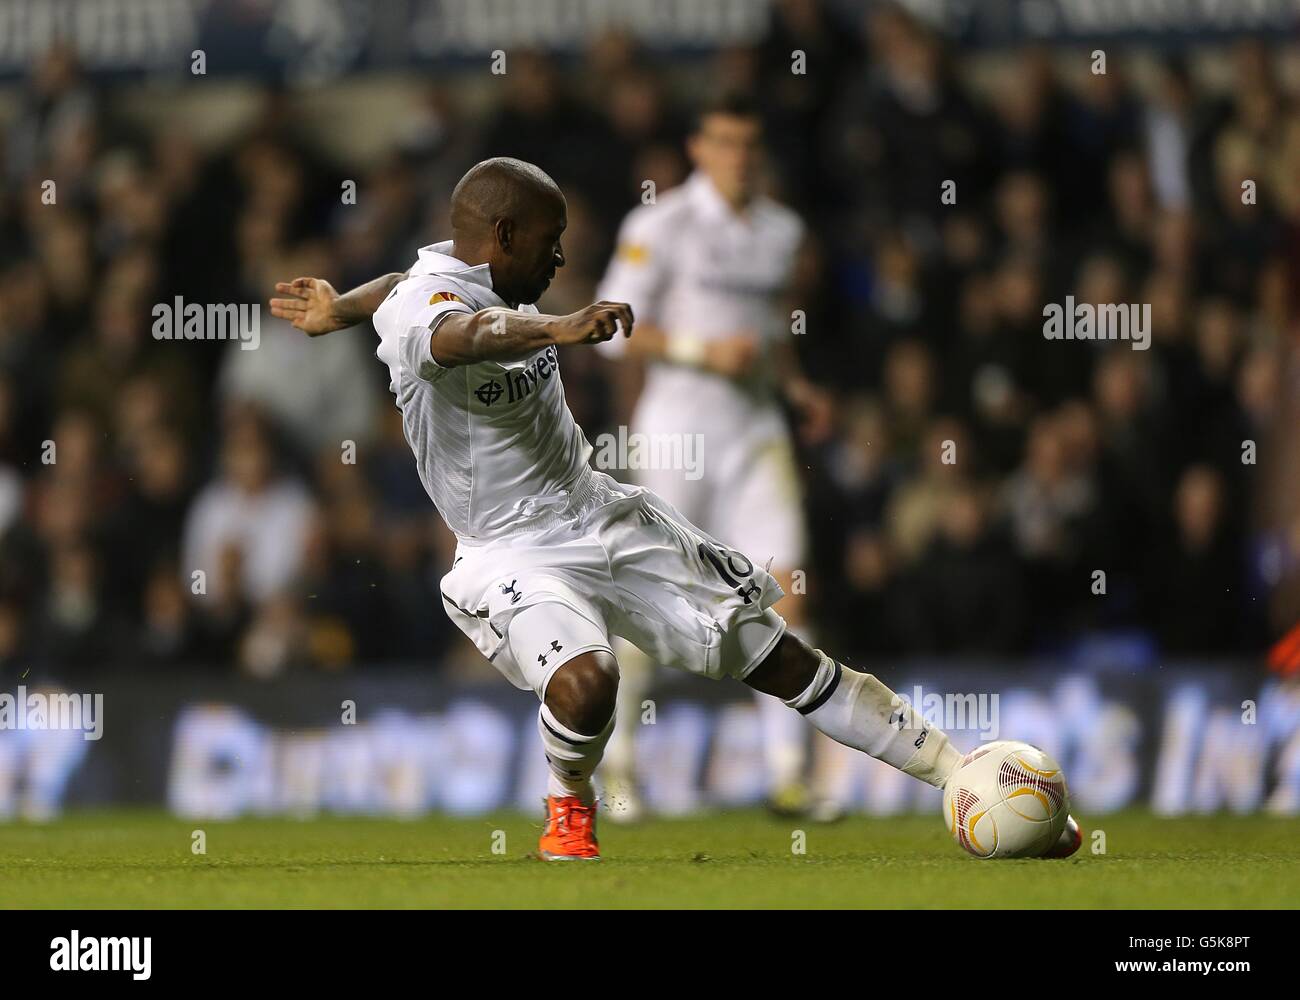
(314, 307)
(642, 272)
(731, 356)
(811, 403)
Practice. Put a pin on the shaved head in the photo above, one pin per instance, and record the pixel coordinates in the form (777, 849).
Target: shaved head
(510, 215)
(501, 187)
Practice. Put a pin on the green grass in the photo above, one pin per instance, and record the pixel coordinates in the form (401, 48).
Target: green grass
(738, 859)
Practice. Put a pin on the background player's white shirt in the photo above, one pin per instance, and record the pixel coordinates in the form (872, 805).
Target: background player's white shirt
(692, 265)
(495, 443)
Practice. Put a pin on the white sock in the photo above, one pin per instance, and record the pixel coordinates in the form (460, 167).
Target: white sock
(572, 757)
(857, 710)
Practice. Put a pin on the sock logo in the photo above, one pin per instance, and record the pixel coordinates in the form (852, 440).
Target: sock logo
(921, 739)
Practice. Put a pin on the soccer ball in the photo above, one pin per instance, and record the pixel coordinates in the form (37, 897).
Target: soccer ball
(1006, 800)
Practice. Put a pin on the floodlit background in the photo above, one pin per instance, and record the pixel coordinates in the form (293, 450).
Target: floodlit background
(127, 462)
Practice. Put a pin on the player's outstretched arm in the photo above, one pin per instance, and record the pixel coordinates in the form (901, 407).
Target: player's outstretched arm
(314, 307)
(506, 335)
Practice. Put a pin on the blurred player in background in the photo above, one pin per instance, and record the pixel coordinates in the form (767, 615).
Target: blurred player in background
(708, 269)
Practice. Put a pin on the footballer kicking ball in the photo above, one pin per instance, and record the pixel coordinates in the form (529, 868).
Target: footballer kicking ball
(1006, 800)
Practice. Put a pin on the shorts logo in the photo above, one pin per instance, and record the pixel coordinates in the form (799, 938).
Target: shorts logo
(489, 392)
(514, 594)
(555, 648)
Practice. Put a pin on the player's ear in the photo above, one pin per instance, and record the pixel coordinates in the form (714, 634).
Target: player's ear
(504, 231)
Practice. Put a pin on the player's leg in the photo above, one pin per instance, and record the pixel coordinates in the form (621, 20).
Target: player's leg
(566, 658)
(853, 708)
(858, 711)
(575, 720)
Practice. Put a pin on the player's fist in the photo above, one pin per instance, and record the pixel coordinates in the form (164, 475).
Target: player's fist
(309, 306)
(594, 324)
(732, 357)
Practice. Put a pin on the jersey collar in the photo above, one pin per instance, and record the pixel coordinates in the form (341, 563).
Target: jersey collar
(437, 259)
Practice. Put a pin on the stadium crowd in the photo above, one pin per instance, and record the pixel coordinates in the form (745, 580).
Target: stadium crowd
(924, 323)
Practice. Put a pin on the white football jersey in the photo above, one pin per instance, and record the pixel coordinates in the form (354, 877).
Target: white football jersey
(691, 265)
(496, 446)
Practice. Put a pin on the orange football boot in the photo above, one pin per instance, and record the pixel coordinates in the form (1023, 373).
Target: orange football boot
(570, 830)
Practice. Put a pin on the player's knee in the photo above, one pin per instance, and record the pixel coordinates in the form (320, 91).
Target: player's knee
(582, 693)
(788, 669)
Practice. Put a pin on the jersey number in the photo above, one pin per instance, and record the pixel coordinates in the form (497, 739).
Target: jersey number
(731, 566)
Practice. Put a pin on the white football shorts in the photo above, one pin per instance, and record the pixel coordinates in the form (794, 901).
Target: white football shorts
(612, 559)
(746, 491)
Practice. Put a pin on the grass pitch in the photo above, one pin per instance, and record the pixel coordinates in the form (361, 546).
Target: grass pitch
(129, 859)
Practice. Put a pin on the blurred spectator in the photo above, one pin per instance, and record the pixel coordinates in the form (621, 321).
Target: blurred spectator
(263, 515)
(1192, 598)
(964, 594)
(1048, 503)
(168, 633)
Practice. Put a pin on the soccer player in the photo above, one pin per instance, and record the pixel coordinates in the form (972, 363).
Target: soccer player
(553, 558)
(707, 269)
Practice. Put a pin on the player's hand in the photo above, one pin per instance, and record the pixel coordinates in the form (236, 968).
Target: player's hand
(814, 408)
(734, 356)
(310, 306)
(594, 324)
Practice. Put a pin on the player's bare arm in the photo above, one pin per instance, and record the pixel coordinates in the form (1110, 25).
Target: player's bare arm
(487, 335)
(506, 335)
(313, 306)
